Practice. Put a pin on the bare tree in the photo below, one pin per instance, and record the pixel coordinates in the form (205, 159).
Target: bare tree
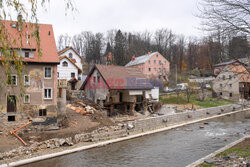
(231, 16)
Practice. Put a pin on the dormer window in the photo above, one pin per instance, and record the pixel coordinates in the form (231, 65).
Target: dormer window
(26, 54)
(65, 64)
(70, 55)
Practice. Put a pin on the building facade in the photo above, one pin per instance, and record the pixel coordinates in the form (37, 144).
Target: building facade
(70, 64)
(32, 93)
(152, 65)
(227, 83)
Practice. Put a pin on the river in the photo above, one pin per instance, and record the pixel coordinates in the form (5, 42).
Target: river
(174, 148)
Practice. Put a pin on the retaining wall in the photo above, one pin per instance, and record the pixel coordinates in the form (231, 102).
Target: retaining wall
(165, 120)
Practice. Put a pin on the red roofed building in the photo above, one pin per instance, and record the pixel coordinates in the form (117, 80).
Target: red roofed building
(33, 93)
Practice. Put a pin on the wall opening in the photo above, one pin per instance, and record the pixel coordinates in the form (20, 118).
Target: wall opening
(11, 118)
(42, 112)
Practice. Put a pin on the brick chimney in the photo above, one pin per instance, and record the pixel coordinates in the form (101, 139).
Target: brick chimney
(149, 52)
(133, 58)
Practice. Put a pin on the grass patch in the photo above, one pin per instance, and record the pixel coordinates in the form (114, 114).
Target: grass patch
(208, 102)
(238, 151)
(206, 165)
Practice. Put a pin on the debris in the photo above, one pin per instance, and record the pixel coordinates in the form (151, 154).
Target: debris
(201, 127)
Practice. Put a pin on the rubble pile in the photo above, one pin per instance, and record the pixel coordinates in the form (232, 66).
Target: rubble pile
(82, 108)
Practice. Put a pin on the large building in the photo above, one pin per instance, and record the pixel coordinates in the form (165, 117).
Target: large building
(32, 93)
(152, 65)
(230, 81)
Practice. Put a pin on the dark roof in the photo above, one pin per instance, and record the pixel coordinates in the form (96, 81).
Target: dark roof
(120, 77)
(225, 63)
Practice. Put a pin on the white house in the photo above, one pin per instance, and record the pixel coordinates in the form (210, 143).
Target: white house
(70, 64)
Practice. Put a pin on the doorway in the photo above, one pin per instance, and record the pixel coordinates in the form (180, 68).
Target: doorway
(11, 103)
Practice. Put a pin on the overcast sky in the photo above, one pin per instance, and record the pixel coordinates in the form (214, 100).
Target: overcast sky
(127, 15)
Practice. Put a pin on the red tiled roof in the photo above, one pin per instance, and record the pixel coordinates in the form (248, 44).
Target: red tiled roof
(120, 77)
(73, 60)
(46, 35)
(241, 72)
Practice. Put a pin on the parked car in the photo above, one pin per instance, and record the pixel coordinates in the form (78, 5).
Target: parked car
(182, 86)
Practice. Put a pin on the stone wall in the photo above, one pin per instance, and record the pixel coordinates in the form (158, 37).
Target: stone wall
(162, 121)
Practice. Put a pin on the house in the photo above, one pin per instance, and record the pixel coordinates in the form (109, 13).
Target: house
(70, 64)
(230, 82)
(220, 66)
(118, 87)
(33, 92)
(152, 65)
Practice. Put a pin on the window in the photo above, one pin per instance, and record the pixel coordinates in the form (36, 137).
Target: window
(230, 77)
(154, 61)
(149, 69)
(156, 55)
(27, 98)
(159, 70)
(12, 80)
(70, 55)
(26, 54)
(65, 64)
(165, 62)
(94, 78)
(47, 93)
(231, 94)
(220, 85)
(149, 62)
(98, 79)
(221, 93)
(57, 74)
(159, 61)
(26, 80)
(42, 112)
(48, 72)
(224, 77)
(73, 75)
(230, 85)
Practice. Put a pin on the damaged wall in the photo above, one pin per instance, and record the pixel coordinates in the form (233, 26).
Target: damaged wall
(35, 90)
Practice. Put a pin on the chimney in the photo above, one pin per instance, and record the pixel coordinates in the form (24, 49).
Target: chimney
(149, 52)
(19, 22)
(133, 58)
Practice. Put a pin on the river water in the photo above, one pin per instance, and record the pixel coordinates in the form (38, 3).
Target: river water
(174, 148)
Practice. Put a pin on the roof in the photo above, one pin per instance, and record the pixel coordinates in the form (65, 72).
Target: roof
(46, 36)
(245, 61)
(71, 62)
(120, 77)
(241, 71)
(225, 63)
(140, 59)
(68, 48)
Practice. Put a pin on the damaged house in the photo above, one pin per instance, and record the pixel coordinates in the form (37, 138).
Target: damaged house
(33, 93)
(119, 88)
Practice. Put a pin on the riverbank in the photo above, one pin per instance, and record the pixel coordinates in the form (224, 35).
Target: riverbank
(236, 153)
(125, 135)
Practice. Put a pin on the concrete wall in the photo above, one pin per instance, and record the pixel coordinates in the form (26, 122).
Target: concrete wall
(162, 121)
(227, 85)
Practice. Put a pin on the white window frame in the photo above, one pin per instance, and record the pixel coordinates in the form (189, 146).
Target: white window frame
(24, 98)
(11, 79)
(46, 98)
(45, 73)
(25, 81)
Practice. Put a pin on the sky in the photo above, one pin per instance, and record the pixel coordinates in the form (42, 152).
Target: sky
(127, 15)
